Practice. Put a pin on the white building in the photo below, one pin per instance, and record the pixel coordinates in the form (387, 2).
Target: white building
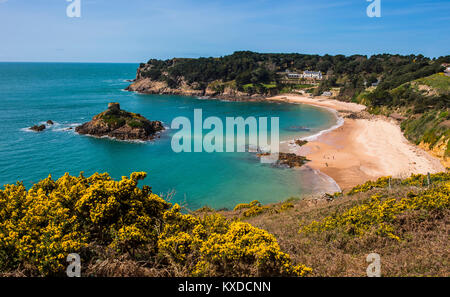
(312, 74)
(294, 75)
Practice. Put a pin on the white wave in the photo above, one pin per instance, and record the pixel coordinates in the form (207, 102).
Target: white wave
(293, 148)
(65, 127)
(115, 139)
(47, 126)
(334, 186)
(26, 129)
(339, 123)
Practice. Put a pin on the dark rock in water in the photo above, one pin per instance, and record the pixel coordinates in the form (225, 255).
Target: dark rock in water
(300, 142)
(50, 122)
(37, 128)
(120, 124)
(291, 160)
(288, 159)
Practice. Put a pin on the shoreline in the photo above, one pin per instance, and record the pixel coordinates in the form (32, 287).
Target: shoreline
(362, 148)
(354, 150)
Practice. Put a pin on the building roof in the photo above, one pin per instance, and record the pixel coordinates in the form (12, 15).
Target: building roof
(312, 72)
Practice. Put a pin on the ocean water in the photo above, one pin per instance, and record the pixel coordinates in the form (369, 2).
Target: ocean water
(71, 94)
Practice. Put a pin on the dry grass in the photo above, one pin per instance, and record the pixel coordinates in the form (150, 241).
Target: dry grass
(424, 250)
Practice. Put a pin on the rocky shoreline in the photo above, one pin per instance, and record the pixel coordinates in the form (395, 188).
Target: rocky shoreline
(120, 124)
(146, 86)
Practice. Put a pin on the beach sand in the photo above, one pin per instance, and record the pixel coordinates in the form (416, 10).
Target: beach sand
(361, 149)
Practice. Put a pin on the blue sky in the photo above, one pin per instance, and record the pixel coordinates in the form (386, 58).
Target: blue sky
(136, 30)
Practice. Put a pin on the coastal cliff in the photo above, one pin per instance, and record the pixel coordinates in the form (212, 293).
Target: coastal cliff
(120, 124)
(211, 77)
(149, 86)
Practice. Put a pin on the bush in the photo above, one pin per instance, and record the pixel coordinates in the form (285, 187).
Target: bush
(97, 216)
(39, 228)
(381, 182)
(247, 205)
(378, 214)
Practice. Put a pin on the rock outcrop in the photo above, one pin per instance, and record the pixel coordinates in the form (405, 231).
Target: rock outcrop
(300, 142)
(37, 128)
(146, 85)
(287, 159)
(291, 160)
(120, 124)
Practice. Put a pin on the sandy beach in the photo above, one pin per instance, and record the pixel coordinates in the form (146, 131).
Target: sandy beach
(363, 148)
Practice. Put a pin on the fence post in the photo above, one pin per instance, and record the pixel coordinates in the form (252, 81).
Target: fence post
(428, 179)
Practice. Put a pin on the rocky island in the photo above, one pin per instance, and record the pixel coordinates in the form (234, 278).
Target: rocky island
(120, 124)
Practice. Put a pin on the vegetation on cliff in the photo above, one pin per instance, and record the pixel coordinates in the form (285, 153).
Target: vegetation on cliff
(423, 108)
(255, 73)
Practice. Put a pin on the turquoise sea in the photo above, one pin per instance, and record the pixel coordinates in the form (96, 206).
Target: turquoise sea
(71, 94)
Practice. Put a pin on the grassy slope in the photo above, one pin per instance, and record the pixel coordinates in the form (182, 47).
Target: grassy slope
(431, 128)
(422, 250)
(439, 82)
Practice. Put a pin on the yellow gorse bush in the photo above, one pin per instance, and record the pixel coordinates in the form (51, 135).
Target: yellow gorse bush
(382, 182)
(417, 180)
(379, 213)
(214, 247)
(286, 206)
(243, 248)
(39, 227)
(420, 180)
(251, 209)
(247, 205)
(255, 208)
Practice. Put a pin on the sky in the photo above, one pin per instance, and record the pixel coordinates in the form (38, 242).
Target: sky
(133, 31)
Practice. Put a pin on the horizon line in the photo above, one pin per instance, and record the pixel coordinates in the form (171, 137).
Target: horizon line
(224, 55)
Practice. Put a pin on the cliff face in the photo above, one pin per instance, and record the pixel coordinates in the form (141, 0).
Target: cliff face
(439, 150)
(120, 124)
(146, 85)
